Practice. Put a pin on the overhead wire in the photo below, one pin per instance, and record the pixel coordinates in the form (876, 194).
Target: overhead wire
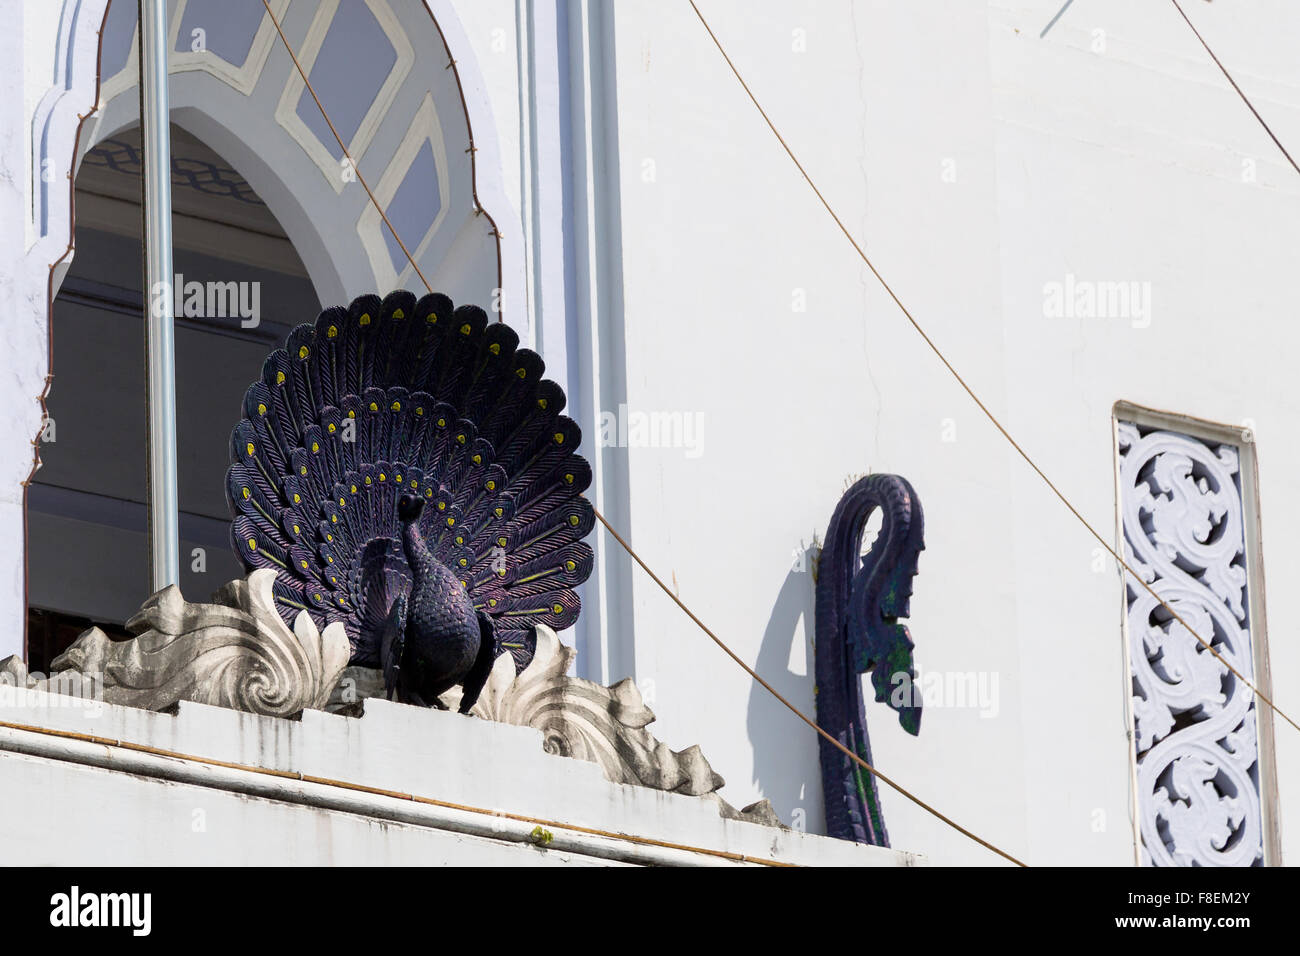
(619, 538)
(1244, 98)
(971, 392)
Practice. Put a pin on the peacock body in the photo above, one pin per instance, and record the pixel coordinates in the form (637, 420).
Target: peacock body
(405, 470)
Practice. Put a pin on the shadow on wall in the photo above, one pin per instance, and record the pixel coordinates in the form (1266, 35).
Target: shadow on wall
(786, 767)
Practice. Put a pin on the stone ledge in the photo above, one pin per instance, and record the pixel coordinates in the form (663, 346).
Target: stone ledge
(494, 768)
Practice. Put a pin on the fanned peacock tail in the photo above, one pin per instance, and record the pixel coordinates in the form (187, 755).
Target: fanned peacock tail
(398, 396)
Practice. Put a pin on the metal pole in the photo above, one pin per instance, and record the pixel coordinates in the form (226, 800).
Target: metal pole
(160, 349)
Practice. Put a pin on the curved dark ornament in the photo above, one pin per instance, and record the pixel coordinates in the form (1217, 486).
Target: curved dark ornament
(859, 603)
(404, 469)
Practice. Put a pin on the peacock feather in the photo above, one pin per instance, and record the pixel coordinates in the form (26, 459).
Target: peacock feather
(392, 398)
(861, 603)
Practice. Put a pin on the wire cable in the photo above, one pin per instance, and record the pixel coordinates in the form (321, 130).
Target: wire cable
(628, 548)
(970, 392)
(339, 139)
(1224, 70)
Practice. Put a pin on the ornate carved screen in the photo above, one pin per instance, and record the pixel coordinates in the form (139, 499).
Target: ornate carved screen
(1202, 743)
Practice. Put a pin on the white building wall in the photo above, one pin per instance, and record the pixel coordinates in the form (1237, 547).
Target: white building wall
(1124, 164)
(977, 161)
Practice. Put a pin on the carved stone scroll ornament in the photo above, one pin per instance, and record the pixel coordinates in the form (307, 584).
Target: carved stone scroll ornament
(235, 652)
(1196, 747)
(581, 719)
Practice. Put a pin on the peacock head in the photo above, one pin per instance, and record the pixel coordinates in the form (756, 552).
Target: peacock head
(409, 508)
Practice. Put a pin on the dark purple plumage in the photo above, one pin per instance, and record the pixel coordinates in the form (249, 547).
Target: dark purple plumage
(399, 397)
(860, 604)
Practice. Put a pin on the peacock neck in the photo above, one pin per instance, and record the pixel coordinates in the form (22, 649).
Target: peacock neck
(418, 555)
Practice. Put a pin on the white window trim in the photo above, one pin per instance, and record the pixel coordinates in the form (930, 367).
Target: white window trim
(286, 113)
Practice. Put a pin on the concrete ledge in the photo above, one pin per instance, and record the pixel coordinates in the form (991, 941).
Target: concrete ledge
(88, 782)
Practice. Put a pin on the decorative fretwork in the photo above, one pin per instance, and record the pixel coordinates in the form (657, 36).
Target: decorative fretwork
(206, 177)
(1195, 740)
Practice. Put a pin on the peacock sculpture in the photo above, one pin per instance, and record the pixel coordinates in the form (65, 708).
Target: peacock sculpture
(404, 469)
(859, 602)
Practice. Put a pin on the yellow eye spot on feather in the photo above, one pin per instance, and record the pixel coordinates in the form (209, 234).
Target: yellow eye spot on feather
(335, 520)
(297, 530)
(495, 348)
(247, 494)
(396, 406)
(478, 459)
(442, 506)
(382, 476)
(498, 512)
(397, 478)
(354, 489)
(502, 541)
(329, 559)
(279, 378)
(463, 563)
(304, 565)
(465, 585)
(559, 438)
(442, 423)
(374, 407)
(261, 408)
(399, 314)
(568, 479)
(303, 471)
(465, 329)
(252, 544)
(450, 521)
(492, 602)
(367, 479)
(303, 352)
(342, 503)
(332, 331)
(415, 485)
(570, 566)
(501, 572)
(333, 428)
(491, 486)
(316, 598)
(574, 520)
(249, 448)
(352, 413)
(297, 498)
(461, 439)
(315, 447)
(541, 403)
(329, 537)
(419, 410)
(558, 609)
(460, 539)
(522, 373)
(432, 319)
(365, 318)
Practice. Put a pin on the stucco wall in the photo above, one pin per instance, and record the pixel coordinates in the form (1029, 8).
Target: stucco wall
(978, 156)
(976, 161)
